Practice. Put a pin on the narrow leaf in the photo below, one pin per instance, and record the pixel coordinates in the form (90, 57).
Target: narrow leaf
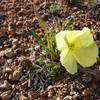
(39, 40)
(35, 35)
(67, 20)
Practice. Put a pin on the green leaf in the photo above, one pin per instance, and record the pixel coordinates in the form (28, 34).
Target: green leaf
(67, 28)
(38, 38)
(52, 39)
(54, 70)
(65, 25)
(67, 20)
(47, 66)
(45, 60)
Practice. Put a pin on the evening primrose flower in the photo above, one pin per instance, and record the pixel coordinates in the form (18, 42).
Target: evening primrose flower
(76, 46)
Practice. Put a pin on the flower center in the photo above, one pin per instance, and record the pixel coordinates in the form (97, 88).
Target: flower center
(71, 47)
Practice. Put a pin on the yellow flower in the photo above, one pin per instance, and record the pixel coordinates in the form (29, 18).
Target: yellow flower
(76, 47)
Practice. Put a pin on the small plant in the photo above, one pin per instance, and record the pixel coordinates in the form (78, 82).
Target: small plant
(66, 23)
(53, 68)
(49, 35)
(75, 46)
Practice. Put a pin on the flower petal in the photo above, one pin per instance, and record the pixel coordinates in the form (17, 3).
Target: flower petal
(68, 61)
(60, 41)
(87, 56)
(80, 38)
(71, 35)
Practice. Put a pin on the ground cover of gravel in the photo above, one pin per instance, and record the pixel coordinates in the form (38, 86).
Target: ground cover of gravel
(21, 75)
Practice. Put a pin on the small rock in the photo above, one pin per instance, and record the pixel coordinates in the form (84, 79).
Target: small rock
(9, 61)
(14, 46)
(5, 85)
(22, 96)
(1, 47)
(58, 98)
(9, 53)
(72, 92)
(31, 95)
(50, 93)
(0, 71)
(44, 52)
(17, 74)
(49, 87)
(10, 77)
(5, 95)
(2, 61)
(15, 41)
(37, 47)
(2, 34)
(86, 92)
(68, 97)
(75, 96)
(2, 53)
(24, 84)
(8, 70)
(75, 8)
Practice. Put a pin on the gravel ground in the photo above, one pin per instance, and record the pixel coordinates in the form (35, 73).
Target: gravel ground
(21, 76)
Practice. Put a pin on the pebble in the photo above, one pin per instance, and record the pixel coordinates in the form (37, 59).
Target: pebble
(50, 93)
(24, 84)
(58, 98)
(86, 92)
(2, 61)
(22, 96)
(2, 53)
(72, 92)
(10, 77)
(5, 85)
(75, 96)
(49, 87)
(31, 95)
(8, 70)
(9, 52)
(37, 47)
(0, 71)
(17, 74)
(68, 97)
(5, 95)
(15, 41)
(9, 61)
(14, 46)
(2, 34)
